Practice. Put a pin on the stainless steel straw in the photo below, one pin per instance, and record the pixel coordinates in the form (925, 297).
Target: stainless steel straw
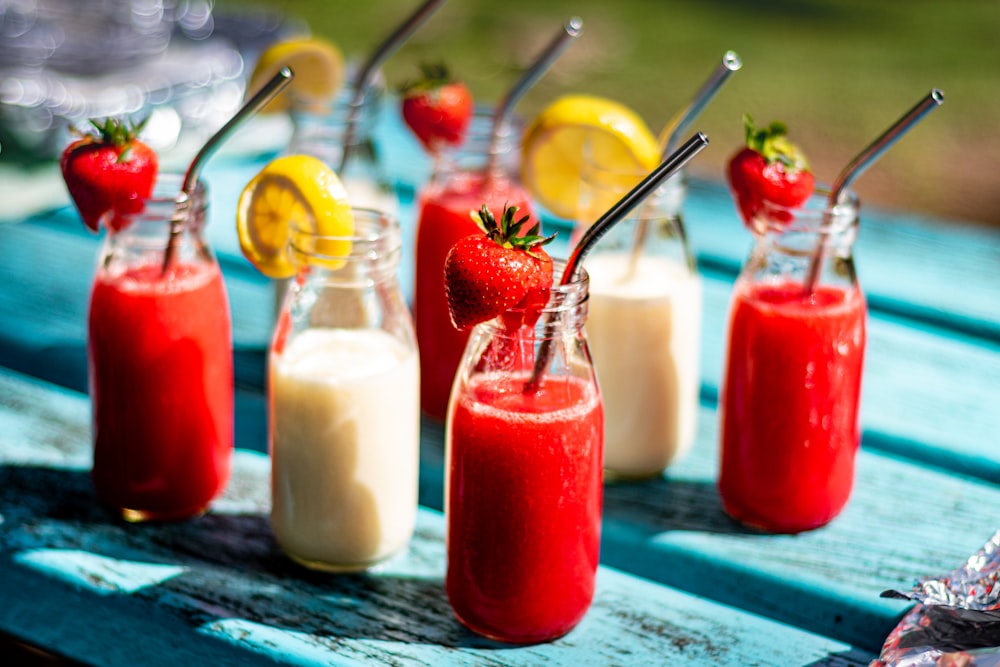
(680, 123)
(668, 139)
(670, 166)
(570, 30)
(267, 93)
(366, 75)
(860, 164)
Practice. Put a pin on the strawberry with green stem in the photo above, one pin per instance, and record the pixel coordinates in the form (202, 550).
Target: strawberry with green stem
(769, 169)
(437, 108)
(109, 170)
(498, 272)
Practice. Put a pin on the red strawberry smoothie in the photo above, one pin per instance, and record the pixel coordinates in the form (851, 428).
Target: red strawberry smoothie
(524, 505)
(789, 406)
(161, 381)
(444, 219)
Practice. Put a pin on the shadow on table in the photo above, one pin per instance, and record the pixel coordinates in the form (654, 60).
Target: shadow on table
(230, 568)
(224, 575)
(662, 504)
(654, 505)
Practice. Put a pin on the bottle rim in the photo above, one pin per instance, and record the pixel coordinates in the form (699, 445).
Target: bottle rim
(168, 204)
(600, 189)
(479, 135)
(815, 215)
(562, 297)
(168, 188)
(377, 235)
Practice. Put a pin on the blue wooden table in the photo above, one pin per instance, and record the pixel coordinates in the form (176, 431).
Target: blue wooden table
(680, 583)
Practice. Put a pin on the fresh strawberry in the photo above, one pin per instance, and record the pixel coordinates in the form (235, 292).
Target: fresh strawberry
(437, 108)
(109, 171)
(770, 169)
(487, 275)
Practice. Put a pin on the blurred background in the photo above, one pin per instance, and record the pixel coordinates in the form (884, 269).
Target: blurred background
(837, 72)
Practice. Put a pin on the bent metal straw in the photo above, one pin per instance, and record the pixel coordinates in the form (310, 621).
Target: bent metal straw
(670, 166)
(276, 84)
(671, 134)
(366, 76)
(865, 159)
(570, 30)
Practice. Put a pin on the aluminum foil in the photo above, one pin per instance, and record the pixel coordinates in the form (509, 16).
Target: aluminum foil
(956, 622)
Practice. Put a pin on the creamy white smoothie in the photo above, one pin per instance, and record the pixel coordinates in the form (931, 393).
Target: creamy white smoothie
(644, 330)
(345, 437)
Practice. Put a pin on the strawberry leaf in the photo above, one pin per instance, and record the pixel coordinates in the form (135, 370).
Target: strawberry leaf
(772, 142)
(507, 232)
(432, 77)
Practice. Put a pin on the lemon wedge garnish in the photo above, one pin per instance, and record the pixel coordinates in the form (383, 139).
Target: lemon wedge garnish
(294, 199)
(577, 135)
(318, 66)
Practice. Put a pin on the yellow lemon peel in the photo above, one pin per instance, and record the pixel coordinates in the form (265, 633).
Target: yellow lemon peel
(576, 137)
(294, 199)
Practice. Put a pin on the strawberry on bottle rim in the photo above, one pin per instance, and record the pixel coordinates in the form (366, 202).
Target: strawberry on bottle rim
(437, 108)
(109, 171)
(499, 272)
(770, 169)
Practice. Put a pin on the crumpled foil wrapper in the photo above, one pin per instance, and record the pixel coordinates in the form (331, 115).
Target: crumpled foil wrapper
(956, 622)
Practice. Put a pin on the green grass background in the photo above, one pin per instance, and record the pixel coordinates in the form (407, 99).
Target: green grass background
(838, 72)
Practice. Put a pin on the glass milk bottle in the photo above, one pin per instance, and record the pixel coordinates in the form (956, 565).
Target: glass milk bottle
(644, 330)
(523, 475)
(160, 357)
(792, 381)
(460, 184)
(344, 402)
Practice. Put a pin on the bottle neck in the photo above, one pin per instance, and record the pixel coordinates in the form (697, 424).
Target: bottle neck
(167, 218)
(486, 145)
(337, 131)
(654, 229)
(371, 255)
(564, 314)
(815, 240)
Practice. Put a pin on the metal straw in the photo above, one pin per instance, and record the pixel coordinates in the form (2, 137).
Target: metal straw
(670, 166)
(860, 164)
(569, 31)
(680, 123)
(668, 139)
(366, 75)
(253, 105)
(267, 93)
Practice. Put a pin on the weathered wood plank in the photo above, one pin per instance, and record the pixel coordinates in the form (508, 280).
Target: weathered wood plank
(218, 588)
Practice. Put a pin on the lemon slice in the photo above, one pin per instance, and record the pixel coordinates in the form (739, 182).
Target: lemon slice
(294, 198)
(318, 66)
(577, 135)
